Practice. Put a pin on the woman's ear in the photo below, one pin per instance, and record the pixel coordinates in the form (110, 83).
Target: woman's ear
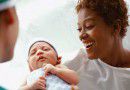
(117, 30)
(59, 60)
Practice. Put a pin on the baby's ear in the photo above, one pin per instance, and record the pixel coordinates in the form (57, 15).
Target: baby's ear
(59, 60)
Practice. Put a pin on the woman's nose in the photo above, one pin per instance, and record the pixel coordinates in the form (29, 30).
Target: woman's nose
(83, 36)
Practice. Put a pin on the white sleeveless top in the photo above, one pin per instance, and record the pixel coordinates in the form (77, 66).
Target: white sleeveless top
(97, 75)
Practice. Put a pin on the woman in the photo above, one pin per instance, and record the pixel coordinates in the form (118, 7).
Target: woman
(106, 63)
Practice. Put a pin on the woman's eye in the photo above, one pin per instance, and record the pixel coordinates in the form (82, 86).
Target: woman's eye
(89, 27)
(79, 29)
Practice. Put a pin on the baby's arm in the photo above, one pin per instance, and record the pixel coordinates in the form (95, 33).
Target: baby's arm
(66, 74)
(24, 86)
(63, 72)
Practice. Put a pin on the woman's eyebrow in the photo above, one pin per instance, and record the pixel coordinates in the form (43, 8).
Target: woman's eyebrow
(86, 20)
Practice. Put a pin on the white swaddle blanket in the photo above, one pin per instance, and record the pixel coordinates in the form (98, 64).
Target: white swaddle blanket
(52, 82)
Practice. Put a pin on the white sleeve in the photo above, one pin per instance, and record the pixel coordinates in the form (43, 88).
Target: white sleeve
(75, 62)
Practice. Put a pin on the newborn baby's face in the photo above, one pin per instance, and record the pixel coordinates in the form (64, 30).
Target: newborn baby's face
(41, 52)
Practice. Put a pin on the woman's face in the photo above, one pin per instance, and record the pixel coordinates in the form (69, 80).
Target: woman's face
(40, 53)
(95, 34)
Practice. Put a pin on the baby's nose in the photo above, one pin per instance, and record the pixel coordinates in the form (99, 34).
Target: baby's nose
(39, 53)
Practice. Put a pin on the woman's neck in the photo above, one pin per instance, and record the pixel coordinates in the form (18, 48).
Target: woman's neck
(118, 57)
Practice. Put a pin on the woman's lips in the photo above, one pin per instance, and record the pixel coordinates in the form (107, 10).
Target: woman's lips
(89, 45)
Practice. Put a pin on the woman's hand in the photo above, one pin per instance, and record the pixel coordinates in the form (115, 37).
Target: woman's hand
(39, 84)
(48, 68)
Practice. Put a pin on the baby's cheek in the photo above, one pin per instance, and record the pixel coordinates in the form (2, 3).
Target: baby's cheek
(33, 62)
(53, 61)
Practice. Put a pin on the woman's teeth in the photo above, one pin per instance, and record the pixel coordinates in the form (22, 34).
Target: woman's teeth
(89, 45)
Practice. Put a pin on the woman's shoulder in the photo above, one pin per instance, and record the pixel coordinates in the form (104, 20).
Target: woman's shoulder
(78, 54)
(76, 59)
(81, 54)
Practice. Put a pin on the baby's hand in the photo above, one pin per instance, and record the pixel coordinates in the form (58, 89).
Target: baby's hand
(74, 87)
(48, 68)
(39, 84)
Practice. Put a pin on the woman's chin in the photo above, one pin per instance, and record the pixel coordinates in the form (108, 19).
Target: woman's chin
(92, 56)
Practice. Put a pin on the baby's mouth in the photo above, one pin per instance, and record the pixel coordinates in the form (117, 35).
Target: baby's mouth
(41, 59)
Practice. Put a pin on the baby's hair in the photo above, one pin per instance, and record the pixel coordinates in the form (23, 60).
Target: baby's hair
(45, 42)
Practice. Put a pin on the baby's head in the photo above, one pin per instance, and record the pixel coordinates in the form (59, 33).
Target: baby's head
(41, 52)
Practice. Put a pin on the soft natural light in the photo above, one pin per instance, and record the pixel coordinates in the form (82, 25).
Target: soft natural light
(54, 20)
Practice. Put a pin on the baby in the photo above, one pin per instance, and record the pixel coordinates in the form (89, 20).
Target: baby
(46, 71)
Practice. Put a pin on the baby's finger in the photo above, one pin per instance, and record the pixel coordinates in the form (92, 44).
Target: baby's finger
(44, 64)
(42, 77)
(42, 83)
(41, 87)
(74, 87)
(45, 67)
(46, 72)
(42, 80)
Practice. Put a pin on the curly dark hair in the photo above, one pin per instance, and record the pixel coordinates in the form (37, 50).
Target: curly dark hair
(113, 12)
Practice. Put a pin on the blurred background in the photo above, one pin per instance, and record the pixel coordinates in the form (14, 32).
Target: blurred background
(51, 20)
